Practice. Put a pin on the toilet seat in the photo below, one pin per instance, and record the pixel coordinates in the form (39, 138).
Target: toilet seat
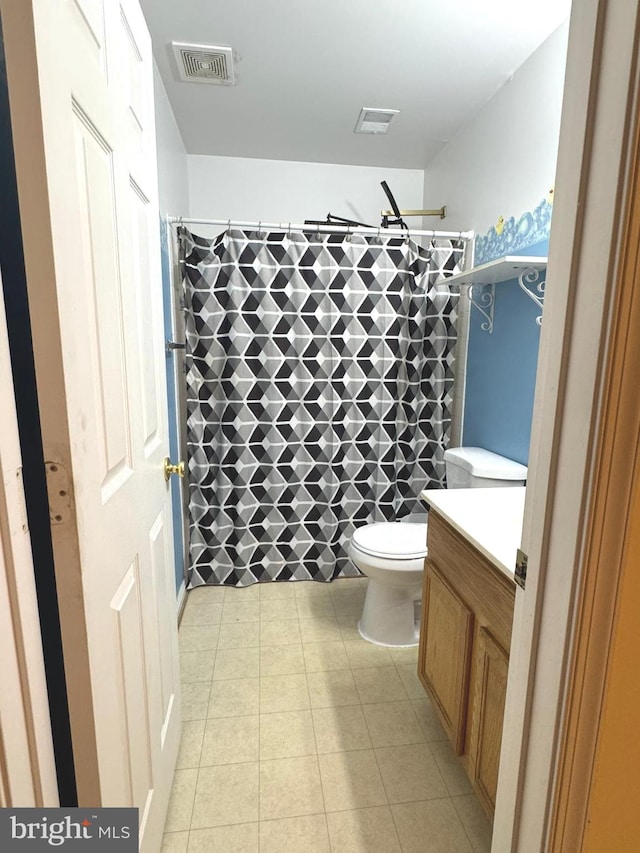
(394, 540)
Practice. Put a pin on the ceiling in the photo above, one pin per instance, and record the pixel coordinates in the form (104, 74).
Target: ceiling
(304, 70)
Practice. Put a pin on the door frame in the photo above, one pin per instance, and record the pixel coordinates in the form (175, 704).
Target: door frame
(27, 761)
(575, 334)
(585, 248)
(601, 660)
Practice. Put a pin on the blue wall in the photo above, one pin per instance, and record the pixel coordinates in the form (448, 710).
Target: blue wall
(501, 372)
(174, 447)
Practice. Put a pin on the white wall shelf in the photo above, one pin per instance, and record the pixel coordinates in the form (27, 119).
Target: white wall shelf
(480, 283)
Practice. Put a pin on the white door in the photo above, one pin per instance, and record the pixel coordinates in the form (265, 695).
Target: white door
(80, 83)
(587, 245)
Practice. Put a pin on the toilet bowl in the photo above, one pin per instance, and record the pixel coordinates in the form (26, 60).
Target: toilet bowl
(391, 554)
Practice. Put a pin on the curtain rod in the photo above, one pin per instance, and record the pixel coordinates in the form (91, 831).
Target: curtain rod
(329, 229)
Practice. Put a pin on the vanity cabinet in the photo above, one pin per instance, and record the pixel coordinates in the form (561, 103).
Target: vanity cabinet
(467, 612)
(447, 653)
(491, 684)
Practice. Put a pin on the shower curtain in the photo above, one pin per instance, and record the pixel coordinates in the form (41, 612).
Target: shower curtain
(319, 383)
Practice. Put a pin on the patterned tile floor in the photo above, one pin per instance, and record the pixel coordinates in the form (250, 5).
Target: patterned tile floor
(300, 737)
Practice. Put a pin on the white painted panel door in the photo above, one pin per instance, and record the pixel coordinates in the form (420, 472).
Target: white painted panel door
(90, 222)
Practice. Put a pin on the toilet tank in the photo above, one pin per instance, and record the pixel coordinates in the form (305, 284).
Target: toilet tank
(477, 468)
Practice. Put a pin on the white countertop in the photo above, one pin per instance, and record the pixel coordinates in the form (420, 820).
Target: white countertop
(490, 519)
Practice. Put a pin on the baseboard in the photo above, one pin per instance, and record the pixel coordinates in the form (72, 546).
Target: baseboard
(182, 600)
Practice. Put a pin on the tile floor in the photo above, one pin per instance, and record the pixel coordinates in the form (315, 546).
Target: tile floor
(300, 737)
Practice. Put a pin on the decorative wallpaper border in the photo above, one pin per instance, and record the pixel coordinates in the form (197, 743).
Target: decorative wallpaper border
(509, 236)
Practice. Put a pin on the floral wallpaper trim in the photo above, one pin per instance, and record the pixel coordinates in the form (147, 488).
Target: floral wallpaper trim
(509, 236)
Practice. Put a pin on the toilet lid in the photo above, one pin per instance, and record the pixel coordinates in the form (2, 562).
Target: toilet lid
(397, 539)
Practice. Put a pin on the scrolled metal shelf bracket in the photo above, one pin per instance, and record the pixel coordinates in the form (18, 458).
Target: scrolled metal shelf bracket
(482, 297)
(534, 288)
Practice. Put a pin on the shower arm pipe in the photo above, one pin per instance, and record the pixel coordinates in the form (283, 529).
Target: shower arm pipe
(440, 212)
(328, 229)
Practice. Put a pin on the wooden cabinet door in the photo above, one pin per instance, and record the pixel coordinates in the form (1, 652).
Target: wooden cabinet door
(445, 653)
(493, 664)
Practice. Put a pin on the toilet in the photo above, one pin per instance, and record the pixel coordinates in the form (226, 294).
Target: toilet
(391, 554)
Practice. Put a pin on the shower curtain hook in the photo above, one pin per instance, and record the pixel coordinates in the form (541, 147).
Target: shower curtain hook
(259, 227)
(228, 224)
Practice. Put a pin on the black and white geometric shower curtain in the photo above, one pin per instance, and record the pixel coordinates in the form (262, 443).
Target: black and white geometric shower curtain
(319, 393)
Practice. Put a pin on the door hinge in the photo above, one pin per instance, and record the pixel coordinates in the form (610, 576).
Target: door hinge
(520, 573)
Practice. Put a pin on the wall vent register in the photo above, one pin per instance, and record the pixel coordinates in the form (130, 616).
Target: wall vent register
(204, 63)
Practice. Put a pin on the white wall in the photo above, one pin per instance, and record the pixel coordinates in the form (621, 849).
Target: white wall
(503, 162)
(173, 181)
(287, 191)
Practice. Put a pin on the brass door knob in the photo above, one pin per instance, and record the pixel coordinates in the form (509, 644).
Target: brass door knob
(170, 468)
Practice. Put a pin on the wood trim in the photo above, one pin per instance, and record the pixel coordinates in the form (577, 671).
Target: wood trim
(613, 820)
(615, 476)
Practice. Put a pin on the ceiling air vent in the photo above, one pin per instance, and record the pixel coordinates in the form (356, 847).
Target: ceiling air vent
(204, 63)
(373, 120)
